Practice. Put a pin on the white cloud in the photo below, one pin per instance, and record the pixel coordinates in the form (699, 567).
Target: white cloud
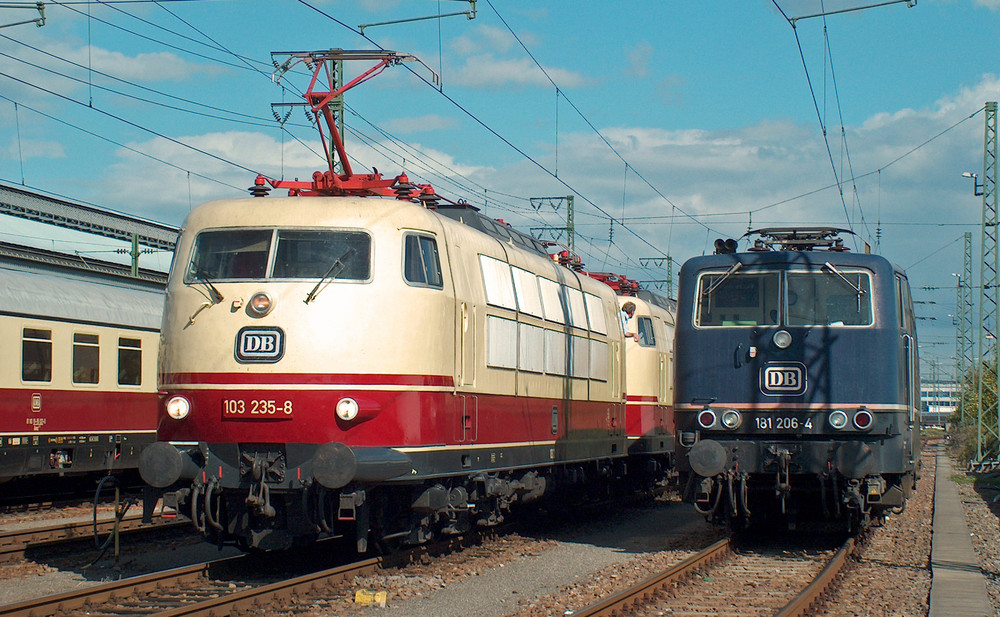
(32, 148)
(639, 57)
(489, 71)
(488, 39)
(492, 58)
(139, 181)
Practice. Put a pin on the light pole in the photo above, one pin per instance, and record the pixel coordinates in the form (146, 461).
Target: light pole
(977, 186)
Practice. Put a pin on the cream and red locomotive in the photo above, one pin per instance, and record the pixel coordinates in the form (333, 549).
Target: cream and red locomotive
(372, 364)
(362, 360)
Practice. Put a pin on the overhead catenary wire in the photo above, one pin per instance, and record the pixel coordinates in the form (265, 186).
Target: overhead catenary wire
(490, 129)
(819, 115)
(117, 143)
(512, 203)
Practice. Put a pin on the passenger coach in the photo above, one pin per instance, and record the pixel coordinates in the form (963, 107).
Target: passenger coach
(79, 379)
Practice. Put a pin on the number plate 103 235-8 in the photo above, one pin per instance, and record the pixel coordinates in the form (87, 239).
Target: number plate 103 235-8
(256, 409)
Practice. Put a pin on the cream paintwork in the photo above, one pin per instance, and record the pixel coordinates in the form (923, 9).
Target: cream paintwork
(11, 329)
(650, 369)
(383, 326)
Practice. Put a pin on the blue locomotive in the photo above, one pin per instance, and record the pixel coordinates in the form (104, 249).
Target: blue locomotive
(797, 386)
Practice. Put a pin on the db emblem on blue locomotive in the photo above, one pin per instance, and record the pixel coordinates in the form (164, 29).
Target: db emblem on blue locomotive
(783, 378)
(255, 344)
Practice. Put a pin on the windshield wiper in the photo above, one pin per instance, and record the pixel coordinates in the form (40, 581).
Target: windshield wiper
(201, 275)
(736, 266)
(857, 289)
(337, 265)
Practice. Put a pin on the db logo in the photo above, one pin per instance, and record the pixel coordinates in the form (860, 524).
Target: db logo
(260, 345)
(778, 378)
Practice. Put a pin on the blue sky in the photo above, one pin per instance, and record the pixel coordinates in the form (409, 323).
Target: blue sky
(675, 122)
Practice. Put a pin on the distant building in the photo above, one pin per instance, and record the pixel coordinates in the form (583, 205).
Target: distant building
(939, 400)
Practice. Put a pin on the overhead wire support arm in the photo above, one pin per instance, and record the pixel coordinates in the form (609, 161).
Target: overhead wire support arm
(471, 14)
(909, 4)
(38, 21)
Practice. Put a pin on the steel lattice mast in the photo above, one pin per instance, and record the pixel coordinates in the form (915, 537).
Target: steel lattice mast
(988, 422)
(964, 346)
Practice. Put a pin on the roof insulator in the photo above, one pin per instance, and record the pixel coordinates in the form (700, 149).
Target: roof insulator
(428, 198)
(259, 188)
(403, 187)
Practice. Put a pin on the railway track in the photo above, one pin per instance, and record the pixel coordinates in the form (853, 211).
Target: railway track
(236, 585)
(13, 544)
(735, 582)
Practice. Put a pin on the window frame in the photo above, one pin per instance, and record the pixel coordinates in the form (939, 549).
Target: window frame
(644, 327)
(783, 307)
(84, 344)
(696, 312)
(420, 239)
(129, 349)
(846, 270)
(272, 251)
(42, 338)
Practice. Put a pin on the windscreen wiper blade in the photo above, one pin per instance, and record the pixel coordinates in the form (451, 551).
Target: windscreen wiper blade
(337, 265)
(736, 266)
(857, 289)
(201, 275)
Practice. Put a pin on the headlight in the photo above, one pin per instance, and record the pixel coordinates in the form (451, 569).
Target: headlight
(782, 339)
(178, 407)
(260, 304)
(706, 418)
(837, 419)
(864, 419)
(347, 409)
(731, 419)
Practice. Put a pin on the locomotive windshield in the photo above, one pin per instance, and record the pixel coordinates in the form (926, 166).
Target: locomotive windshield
(738, 299)
(234, 254)
(826, 297)
(829, 298)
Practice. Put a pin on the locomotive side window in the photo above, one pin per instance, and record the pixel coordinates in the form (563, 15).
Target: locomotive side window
(530, 348)
(577, 308)
(598, 360)
(556, 352)
(36, 355)
(551, 301)
(498, 282)
(906, 308)
(230, 254)
(501, 337)
(595, 313)
(740, 299)
(86, 358)
(645, 332)
(331, 255)
(831, 297)
(529, 298)
(421, 263)
(129, 361)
